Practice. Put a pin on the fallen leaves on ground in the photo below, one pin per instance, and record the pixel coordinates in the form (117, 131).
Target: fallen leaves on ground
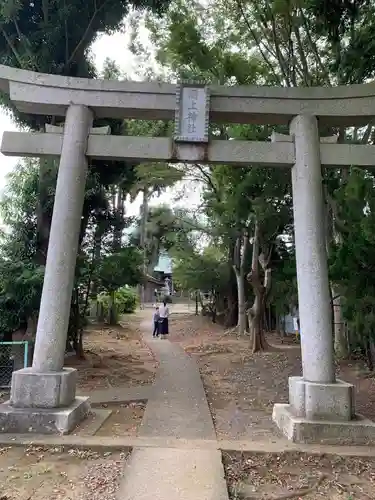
(58, 474)
(242, 387)
(293, 475)
(114, 357)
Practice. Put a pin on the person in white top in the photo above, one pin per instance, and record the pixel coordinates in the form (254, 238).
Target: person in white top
(164, 319)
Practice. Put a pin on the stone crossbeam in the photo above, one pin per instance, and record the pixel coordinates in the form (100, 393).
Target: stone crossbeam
(151, 149)
(38, 93)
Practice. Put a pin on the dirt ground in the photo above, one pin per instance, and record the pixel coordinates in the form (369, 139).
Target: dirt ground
(36, 473)
(297, 476)
(124, 420)
(241, 387)
(115, 357)
(119, 420)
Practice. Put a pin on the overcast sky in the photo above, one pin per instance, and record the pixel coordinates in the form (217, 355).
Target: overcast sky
(115, 47)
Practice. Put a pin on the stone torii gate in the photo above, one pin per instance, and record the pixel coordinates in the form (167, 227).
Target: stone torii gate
(43, 397)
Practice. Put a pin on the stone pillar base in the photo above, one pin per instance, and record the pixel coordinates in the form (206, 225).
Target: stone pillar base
(359, 431)
(322, 413)
(43, 420)
(319, 401)
(43, 403)
(31, 389)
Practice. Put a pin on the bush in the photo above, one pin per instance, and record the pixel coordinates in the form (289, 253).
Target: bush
(126, 301)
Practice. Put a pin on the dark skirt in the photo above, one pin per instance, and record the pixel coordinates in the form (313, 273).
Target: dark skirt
(164, 326)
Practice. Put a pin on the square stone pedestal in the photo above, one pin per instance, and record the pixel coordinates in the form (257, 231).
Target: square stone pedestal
(43, 403)
(43, 420)
(31, 389)
(322, 413)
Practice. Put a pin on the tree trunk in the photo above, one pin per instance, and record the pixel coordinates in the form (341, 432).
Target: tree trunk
(333, 235)
(119, 213)
(232, 299)
(79, 348)
(74, 322)
(369, 354)
(96, 258)
(261, 290)
(257, 338)
(239, 262)
(99, 312)
(112, 312)
(32, 322)
(255, 314)
(232, 313)
(340, 340)
(241, 323)
(201, 304)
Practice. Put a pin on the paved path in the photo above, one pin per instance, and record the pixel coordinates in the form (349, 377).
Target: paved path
(177, 408)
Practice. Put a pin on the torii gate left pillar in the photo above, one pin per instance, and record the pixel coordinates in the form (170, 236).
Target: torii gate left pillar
(43, 397)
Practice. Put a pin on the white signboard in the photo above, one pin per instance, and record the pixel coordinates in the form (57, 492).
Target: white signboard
(192, 112)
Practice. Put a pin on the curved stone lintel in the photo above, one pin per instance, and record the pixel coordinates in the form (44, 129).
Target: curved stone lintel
(40, 93)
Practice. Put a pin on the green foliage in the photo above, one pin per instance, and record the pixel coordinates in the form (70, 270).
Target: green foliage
(44, 35)
(191, 41)
(218, 46)
(119, 269)
(21, 278)
(313, 42)
(20, 290)
(337, 16)
(283, 294)
(166, 229)
(125, 299)
(206, 271)
(353, 256)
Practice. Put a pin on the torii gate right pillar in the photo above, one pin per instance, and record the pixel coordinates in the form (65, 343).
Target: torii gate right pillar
(321, 408)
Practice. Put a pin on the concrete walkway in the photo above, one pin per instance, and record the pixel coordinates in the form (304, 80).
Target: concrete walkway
(177, 408)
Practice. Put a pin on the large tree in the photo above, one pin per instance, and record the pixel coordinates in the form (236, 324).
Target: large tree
(280, 43)
(45, 36)
(237, 200)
